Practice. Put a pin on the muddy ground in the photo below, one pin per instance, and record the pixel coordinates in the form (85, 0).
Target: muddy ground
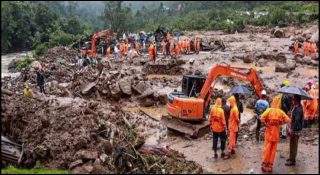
(113, 90)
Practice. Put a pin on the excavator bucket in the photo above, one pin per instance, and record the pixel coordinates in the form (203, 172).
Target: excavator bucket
(191, 129)
(170, 67)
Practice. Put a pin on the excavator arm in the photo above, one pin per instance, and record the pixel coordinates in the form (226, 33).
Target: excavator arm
(92, 52)
(244, 74)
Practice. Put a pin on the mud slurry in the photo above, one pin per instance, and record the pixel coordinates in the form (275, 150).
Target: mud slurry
(95, 119)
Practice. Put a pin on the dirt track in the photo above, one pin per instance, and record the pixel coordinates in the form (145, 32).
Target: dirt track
(125, 85)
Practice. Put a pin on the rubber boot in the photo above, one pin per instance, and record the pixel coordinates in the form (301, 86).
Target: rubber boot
(263, 167)
(269, 167)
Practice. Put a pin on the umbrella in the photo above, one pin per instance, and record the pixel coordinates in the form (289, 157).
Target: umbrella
(295, 91)
(240, 90)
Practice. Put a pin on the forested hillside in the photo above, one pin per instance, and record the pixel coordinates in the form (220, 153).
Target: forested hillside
(41, 25)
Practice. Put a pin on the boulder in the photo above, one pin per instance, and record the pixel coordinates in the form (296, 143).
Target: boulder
(315, 38)
(147, 102)
(248, 58)
(282, 68)
(75, 164)
(115, 90)
(278, 33)
(262, 62)
(141, 87)
(281, 57)
(87, 155)
(125, 86)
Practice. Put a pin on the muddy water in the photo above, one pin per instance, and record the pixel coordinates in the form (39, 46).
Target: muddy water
(6, 59)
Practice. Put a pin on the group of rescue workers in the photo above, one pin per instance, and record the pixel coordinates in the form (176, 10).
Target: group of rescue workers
(308, 48)
(286, 110)
(169, 47)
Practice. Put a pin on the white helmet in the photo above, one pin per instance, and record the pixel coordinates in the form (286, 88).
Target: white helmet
(263, 92)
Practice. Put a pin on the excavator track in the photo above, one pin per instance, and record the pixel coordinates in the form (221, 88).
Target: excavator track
(194, 130)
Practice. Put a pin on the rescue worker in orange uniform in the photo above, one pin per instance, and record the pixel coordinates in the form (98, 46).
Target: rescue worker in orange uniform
(164, 49)
(108, 52)
(152, 53)
(184, 46)
(197, 46)
(180, 45)
(272, 118)
(177, 48)
(218, 127)
(122, 49)
(306, 122)
(233, 126)
(316, 102)
(137, 48)
(311, 105)
(308, 49)
(168, 36)
(304, 48)
(295, 48)
(188, 46)
(313, 50)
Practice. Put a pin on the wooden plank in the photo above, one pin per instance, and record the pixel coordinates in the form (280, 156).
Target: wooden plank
(154, 113)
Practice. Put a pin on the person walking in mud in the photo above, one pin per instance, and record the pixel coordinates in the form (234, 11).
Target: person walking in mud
(233, 126)
(218, 127)
(261, 105)
(295, 128)
(272, 118)
(40, 81)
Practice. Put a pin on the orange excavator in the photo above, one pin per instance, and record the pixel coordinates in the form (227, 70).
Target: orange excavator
(188, 109)
(92, 51)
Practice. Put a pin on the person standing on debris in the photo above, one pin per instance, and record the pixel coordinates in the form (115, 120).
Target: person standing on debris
(164, 50)
(218, 127)
(188, 46)
(108, 52)
(152, 53)
(197, 45)
(137, 47)
(306, 112)
(177, 50)
(180, 45)
(304, 48)
(184, 46)
(171, 49)
(285, 105)
(272, 118)
(313, 50)
(40, 81)
(295, 128)
(260, 107)
(116, 51)
(295, 48)
(233, 126)
(27, 91)
(240, 109)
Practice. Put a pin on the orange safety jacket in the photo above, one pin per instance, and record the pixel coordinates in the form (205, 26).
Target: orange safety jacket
(217, 118)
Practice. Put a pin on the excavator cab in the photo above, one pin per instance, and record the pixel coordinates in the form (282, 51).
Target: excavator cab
(192, 85)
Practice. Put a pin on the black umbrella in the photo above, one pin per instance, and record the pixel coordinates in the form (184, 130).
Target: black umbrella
(295, 91)
(240, 90)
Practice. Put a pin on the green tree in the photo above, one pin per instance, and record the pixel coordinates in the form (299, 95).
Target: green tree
(116, 16)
